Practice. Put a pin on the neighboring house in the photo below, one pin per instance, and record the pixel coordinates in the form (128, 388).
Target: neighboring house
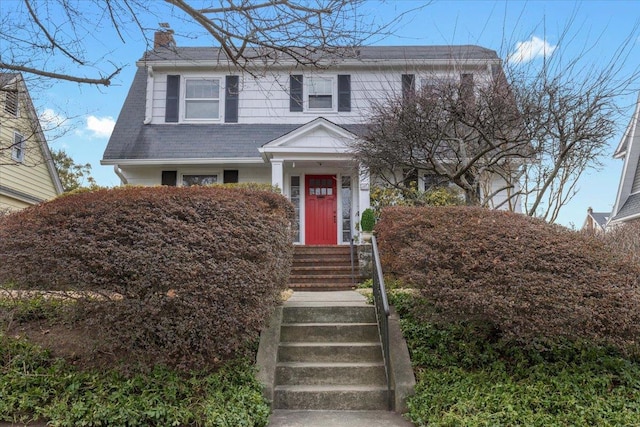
(627, 204)
(192, 118)
(596, 222)
(27, 173)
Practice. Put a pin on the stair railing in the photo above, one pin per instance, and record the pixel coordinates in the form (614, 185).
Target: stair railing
(382, 313)
(353, 269)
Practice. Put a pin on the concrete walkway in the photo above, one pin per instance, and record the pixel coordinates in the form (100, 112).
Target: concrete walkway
(284, 418)
(310, 418)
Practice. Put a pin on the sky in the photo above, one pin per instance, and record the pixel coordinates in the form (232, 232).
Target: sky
(517, 29)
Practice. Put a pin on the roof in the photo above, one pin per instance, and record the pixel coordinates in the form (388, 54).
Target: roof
(601, 217)
(132, 140)
(631, 207)
(364, 53)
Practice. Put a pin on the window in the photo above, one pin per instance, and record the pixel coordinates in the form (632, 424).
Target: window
(345, 190)
(202, 99)
(189, 180)
(18, 147)
(11, 103)
(320, 93)
(295, 200)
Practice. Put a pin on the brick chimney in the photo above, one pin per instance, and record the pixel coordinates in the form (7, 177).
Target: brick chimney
(163, 38)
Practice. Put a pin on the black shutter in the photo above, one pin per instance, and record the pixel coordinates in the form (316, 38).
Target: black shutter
(231, 98)
(230, 177)
(169, 178)
(408, 85)
(173, 99)
(295, 93)
(344, 92)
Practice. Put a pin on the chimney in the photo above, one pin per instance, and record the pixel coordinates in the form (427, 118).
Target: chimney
(164, 38)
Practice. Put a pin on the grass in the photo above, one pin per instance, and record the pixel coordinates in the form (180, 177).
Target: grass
(467, 376)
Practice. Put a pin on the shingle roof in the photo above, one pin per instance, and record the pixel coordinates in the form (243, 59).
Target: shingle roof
(131, 139)
(365, 53)
(631, 207)
(601, 217)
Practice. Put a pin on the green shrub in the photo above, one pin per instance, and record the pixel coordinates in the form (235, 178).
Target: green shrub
(367, 220)
(199, 269)
(383, 197)
(530, 281)
(33, 386)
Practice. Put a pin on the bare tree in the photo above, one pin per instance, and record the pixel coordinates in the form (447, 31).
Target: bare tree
(47, 38)
(533, 130)
(450, 130)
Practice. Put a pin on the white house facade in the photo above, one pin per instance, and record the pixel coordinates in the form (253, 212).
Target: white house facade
(191, 117)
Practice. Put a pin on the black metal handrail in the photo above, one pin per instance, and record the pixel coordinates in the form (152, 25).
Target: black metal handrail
(382, 313)
(353, 267)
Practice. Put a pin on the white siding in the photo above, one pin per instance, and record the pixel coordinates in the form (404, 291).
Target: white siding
(265, 99)
(149, 176)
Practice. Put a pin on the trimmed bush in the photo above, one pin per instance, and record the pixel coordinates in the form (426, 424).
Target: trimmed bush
(199, 269)
(624, 238)
(530, 281)
(368, 221)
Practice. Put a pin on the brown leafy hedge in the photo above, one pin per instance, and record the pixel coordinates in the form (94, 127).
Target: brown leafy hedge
(199, 269)
(533, 282)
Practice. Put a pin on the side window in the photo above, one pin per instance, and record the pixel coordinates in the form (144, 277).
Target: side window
(18, 148)
(202, 99)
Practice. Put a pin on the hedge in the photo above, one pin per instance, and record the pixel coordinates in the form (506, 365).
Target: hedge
(531, 281)
(198, 269)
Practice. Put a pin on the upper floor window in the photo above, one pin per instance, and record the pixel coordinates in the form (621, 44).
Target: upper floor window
(202, 99)
(320, 93)
(11, 103)
(18, 148)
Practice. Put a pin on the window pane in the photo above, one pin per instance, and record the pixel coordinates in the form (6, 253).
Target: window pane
(295, 200)
(320, 86)
(202, 89)
(202, 109)
(346, 208)
(189, 180)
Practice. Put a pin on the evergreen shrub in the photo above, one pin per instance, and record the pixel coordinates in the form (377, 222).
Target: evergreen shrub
(189, 275)
(529, 281)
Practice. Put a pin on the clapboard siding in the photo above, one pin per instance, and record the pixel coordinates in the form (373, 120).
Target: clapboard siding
(149, 176)
(265, 99)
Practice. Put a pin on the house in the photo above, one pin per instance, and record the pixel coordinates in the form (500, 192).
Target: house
(596, 222)
(27, 172)
(627, 205)
(192, 118)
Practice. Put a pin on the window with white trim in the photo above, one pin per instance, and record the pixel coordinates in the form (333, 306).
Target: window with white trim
(201, 99)
(18, 148)
(200, 179)
(320, 93)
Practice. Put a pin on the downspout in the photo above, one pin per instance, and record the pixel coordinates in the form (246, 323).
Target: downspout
(118, 171)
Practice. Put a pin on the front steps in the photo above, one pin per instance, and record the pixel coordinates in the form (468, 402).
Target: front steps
(323, 268)
(329, 358)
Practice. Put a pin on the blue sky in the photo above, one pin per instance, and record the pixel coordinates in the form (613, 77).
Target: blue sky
(597, 28)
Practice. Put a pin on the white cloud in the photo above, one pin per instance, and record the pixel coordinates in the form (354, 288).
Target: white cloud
(49, 120)
(100, 126)
(531, 49)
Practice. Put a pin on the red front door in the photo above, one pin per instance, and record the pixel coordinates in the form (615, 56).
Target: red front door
(320, 210)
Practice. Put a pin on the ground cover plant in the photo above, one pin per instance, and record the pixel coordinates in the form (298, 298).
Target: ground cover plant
(468, 376)
(530, 282)
(36, 386)
(185, 277)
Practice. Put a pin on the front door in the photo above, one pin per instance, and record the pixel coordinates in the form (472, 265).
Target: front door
(321, 205)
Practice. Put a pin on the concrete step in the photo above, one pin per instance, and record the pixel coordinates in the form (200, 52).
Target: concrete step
(330, 352)
(323, 269)
(345, 373)
(334, 397)
(329, 314)
(329, 332)
(320, 286)
(321, 278)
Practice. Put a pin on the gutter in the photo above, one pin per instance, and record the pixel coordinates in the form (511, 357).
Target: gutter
(118, 171)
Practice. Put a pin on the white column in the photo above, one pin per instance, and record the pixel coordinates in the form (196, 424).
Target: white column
(277, 174)
(364, 200)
